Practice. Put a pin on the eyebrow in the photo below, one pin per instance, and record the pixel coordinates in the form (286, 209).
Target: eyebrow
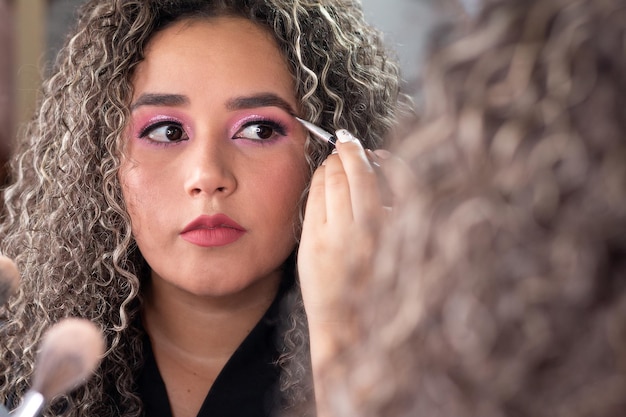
(160, 100)
(236, 103)
(260, 100)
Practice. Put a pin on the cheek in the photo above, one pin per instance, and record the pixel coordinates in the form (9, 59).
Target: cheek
(284, 187)
(128, 185)
(135, 184)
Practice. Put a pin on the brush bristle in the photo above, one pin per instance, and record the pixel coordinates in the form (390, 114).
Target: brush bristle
(70, 352)
(9, 278)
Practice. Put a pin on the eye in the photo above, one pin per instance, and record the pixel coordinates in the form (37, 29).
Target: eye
(264, 130)
(164, 132)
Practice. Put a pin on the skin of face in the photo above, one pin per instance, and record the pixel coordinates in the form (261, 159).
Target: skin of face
(212, 134)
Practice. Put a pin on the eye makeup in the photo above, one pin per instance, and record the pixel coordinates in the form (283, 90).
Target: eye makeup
(155, 126)
(266, 129)
(255, 126)
(172, 132)
(261, 126)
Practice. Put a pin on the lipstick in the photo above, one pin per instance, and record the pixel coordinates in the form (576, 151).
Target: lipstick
(212, 231)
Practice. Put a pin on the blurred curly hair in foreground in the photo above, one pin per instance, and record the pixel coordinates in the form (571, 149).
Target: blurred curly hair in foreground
(500, 289)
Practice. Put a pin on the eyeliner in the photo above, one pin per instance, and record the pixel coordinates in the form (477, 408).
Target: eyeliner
(318, 132)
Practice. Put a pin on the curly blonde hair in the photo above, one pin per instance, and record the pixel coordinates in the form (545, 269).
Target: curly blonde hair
(65, 223)
(500, 286)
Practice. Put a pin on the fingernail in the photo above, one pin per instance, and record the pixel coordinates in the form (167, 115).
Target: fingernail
(344, 136)
(334, 151)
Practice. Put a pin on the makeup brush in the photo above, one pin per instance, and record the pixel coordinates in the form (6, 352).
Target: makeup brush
(70, 351)
(9, 281)
(9, 278)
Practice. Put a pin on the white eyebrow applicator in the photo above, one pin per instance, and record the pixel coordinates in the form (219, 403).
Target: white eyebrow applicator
(318, 131)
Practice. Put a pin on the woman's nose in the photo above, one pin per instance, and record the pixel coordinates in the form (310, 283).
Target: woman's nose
(209, 170)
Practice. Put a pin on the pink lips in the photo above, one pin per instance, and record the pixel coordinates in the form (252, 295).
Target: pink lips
(212, 231)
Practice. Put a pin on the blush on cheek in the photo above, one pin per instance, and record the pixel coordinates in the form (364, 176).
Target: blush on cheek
(287, 173)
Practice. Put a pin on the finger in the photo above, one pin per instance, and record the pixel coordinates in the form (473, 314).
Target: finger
(338, 201)
(315, 211)
(387, 196)
(364, 191)
(398, 176)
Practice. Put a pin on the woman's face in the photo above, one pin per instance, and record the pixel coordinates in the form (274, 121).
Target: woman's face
(214, 164)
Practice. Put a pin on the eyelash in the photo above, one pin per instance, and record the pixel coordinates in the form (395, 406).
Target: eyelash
(278, 128)
(146, 131)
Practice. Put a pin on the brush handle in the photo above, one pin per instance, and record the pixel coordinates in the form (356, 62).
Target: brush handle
(31, 405)
(3, 411)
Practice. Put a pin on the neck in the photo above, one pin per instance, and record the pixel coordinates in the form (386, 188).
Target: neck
(204, 326)
(193, 336)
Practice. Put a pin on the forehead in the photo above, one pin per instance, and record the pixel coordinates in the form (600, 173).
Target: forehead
(221, 30)
(224, 49)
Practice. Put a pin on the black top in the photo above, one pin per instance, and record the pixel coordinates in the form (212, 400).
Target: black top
(247, 386)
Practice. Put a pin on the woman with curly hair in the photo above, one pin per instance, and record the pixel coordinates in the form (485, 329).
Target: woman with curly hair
(500, 285)
(158, 192)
